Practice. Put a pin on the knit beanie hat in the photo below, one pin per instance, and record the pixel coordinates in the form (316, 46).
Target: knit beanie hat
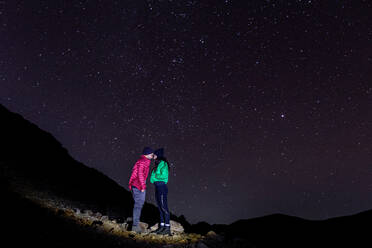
(159, 152)
(147, 150)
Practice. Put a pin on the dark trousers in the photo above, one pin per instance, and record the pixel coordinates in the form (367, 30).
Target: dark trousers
(161, 195)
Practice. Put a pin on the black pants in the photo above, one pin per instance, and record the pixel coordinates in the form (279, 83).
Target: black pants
(161, 195)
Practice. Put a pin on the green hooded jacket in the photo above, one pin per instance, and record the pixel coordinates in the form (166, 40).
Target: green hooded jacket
(161, 173)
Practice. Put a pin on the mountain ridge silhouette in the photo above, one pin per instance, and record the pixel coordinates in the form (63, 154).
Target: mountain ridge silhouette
(32, 156)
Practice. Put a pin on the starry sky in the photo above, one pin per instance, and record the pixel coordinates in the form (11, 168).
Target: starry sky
(262, 106)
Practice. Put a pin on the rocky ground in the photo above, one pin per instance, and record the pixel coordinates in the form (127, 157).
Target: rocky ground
(117, 231)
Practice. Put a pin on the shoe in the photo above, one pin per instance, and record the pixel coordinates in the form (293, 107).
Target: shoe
(160, 229)
(136, 229)
(166, 231)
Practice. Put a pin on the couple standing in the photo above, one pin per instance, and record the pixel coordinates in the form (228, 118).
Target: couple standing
(159, 177)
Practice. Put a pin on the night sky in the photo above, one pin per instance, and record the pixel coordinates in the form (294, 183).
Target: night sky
(262, 106)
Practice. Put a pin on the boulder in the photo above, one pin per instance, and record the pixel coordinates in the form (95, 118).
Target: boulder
(143, 225)
(176, 227)
(211, 234)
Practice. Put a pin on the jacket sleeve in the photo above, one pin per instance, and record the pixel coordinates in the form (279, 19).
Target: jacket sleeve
(133, 176)
(141, 175)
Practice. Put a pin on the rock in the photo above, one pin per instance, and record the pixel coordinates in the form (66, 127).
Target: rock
(104, 218)
(98, 215)
(201, 245)
(109, 226)
(177, 236)
(88, 212)
(213, 239)
(176, 227)
(125, 226)
(97, 222)
(211, 234)
(144, 227)
(154, 227)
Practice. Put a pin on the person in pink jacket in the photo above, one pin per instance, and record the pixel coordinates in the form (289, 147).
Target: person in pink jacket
(137, 185)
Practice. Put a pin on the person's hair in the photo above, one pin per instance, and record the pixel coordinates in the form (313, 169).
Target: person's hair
(157, 162)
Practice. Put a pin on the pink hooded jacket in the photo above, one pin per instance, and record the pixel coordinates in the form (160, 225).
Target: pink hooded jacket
(140, 172)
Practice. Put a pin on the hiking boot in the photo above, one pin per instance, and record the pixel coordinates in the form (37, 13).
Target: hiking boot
(160, 229)
(137, 229)
(166, 231)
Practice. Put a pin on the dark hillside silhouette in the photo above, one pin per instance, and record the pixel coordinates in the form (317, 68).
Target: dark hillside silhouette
(35, 156)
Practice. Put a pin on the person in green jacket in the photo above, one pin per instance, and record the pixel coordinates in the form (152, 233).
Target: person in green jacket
(159, 177)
